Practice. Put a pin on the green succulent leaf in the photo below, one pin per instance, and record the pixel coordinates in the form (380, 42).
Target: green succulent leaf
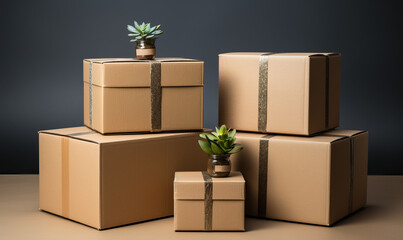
(157, 32)
(221, 131)
(137, 26)
(216, 149)
(143, 31)
(222, 141)
(148, 28)
(236, 150)
(152, 29)
(215, 134)
(205, 147)
(232, 134)
(131, 28)
(207, 135)
(222, 145)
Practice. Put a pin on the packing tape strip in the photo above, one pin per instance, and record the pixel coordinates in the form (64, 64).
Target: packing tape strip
(156, 90)
(262, 95)
(352, 163)
(208, 202)
(156, 95)
(65, 165)
(327, 93)
(263, 169)
(65, 177)
(90, 89)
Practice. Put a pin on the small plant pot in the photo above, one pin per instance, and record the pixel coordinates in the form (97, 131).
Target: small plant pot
(219, 165)
(145, 49)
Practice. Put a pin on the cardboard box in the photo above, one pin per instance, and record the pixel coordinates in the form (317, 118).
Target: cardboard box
(316, 180)
(287, 93)
(129, 95)
(105, 181)
(204, 203)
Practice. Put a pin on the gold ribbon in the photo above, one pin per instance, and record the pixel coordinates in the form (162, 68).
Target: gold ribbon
(208, 202)
(263, 167)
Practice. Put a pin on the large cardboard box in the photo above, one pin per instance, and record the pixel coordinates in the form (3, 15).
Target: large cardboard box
(316, 180)
(110, 180)
(205, 203)
(129, 95)
(287, 93)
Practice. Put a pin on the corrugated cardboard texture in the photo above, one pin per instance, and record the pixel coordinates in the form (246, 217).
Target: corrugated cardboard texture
(228, 196)
(121, 95)
(106, 181)
(308, 178)
(298, 97)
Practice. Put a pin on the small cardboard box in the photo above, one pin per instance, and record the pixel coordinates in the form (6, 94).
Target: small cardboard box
(129, 95)
(204, 203)
(287, 93)
(316, 180)
(105, 181)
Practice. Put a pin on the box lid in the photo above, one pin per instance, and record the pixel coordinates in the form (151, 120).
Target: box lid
(322, 138)
(89, 135)
(342, 132)
(191, 186)
(274, 54)
(131, 72)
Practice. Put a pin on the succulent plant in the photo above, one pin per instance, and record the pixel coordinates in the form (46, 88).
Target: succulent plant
(220, 142)
(143, 31)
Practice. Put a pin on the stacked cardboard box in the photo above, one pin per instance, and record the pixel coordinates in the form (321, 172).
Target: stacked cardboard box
(109, 174)
(318, 177)
(205, 203)
(107, 180)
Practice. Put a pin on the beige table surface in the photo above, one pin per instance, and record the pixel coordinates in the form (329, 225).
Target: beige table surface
(21, 219)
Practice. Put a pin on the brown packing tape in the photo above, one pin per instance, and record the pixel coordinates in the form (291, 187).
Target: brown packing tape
(208, 202)
(65, 165)
(263, 167)
(90, 92)
(65, 177)
(327, 93)
(156, 95)
(262, 95)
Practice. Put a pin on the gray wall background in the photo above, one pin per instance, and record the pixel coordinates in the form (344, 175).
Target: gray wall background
(43, 43)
